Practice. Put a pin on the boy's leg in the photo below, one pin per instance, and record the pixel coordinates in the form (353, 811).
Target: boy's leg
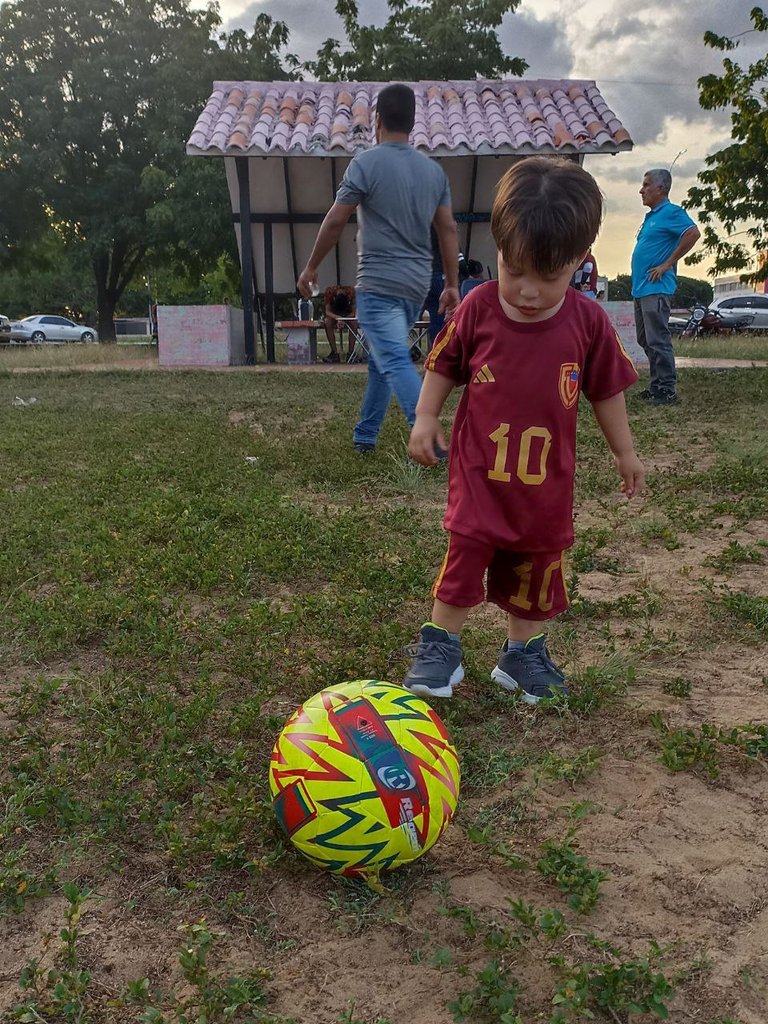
(436, 666)
(531, 589)
(436, 656)
(521, 630)
(450, 617)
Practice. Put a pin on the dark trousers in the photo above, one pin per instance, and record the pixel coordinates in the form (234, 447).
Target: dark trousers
(436, 320)
(653, 337)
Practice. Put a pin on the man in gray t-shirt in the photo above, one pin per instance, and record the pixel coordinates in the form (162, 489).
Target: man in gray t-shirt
(399, 194)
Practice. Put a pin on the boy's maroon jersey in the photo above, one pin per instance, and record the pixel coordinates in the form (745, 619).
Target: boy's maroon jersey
(513, 446)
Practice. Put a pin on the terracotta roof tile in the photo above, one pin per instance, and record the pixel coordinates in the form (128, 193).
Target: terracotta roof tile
(337, 118)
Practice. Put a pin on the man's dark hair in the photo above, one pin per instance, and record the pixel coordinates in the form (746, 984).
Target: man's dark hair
(474, 267)
(396, 106)
(546, 213)
(341, 304)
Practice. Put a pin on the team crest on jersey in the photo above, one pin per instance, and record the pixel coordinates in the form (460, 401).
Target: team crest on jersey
(568, 385)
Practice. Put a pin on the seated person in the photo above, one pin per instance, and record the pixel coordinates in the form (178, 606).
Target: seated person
(432, 301)
(473, 279)
(585, 276)
(339, 301)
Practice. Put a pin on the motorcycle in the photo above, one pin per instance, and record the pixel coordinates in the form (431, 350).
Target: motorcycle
(705, 321)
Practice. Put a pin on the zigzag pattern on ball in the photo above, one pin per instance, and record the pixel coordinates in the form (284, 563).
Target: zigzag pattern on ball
(364, 777)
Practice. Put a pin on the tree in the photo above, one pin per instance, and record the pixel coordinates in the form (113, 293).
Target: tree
(190, 216)
(421, 40)
(97, 98)
(732, 198)
(690, 290)
(48, 277)
(95, 92)
(620, 288)
(258, 56)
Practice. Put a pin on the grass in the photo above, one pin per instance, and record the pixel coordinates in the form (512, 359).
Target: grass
(187, 556)
(70, 357)
(749, 345)
(128, 349)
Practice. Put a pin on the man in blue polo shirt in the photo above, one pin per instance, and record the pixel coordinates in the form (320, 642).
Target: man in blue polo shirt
(666, 235)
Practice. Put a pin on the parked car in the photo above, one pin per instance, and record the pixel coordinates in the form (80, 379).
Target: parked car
(5, 328)
(745, 305)
(39, 328)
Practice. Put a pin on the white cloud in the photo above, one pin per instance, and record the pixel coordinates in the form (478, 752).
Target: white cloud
(645, 58)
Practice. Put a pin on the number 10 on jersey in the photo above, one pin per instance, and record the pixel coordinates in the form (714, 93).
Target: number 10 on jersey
(527, 473)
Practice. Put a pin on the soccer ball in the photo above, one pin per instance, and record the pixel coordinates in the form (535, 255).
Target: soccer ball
(364, 778)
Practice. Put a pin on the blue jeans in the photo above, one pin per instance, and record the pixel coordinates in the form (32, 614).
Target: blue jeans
(386, 321)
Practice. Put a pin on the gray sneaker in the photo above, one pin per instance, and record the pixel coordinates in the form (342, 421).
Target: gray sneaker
(531, 670)
(436, 667)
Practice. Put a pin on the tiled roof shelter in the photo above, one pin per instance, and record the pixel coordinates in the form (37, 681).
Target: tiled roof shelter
(286, 146)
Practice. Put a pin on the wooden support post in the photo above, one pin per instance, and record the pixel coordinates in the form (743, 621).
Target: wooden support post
(246, 248)
(269, 288)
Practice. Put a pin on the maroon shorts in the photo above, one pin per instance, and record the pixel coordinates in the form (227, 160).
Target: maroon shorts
(527, 585)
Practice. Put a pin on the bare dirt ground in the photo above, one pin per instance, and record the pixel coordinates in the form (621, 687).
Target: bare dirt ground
(686, 856)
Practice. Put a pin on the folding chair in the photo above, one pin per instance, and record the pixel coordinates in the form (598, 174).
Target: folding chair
(418, 333)
(360, 351)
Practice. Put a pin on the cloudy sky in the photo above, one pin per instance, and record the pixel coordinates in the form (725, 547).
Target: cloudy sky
(646, 59)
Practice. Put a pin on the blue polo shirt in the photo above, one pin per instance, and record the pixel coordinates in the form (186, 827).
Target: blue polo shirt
(657, 239)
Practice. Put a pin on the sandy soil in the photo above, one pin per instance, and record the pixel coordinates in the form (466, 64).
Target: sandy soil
(686, 856)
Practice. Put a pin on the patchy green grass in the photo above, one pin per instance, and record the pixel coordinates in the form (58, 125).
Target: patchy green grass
(66, 357)
(187, 556)
(748, 345)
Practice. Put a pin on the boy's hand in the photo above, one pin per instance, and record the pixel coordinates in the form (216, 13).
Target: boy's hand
(632, 473)
(426, 436)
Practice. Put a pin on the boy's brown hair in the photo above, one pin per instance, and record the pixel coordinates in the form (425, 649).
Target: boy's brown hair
(546, 213)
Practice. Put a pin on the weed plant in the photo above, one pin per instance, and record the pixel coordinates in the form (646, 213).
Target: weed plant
(188, 556)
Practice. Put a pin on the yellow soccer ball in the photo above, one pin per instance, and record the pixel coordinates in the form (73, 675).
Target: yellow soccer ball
(364, 778)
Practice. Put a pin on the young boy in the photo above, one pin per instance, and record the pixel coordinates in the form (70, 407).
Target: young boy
(524, 347)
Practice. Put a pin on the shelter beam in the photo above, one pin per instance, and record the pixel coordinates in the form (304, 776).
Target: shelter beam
(246, 248)
(335, 188)
(269, 288)
(318, 218)
(291, 222)
(472, 192)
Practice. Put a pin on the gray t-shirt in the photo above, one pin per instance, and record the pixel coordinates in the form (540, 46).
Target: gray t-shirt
(397, 191)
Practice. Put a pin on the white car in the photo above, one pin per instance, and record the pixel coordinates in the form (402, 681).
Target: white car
(752, 305)
(39, 328)
(5, 328)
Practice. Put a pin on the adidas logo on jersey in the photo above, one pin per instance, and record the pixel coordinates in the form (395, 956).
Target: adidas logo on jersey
(484, 375)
